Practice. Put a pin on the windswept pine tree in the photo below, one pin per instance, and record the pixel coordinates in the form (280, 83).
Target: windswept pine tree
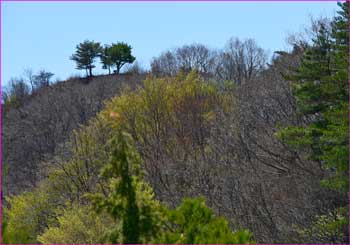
(119, 55)
(86, 54)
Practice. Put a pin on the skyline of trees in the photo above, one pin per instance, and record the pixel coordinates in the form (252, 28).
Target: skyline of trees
(114, 55)
(186, 58)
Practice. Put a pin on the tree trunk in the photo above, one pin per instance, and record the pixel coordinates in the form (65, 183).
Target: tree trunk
(90, 71)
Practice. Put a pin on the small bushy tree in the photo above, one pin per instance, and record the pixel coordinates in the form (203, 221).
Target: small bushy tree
(16, 92)
(26, 216)
(76, 224)
(42, 79)
(119, 55)
(194, 223)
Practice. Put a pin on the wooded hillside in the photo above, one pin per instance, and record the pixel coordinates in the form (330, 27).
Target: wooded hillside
(206, 147)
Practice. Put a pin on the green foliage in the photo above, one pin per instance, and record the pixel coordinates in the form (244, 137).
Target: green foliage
(168, 114)
(140, 219)
(27, 216)
(193, 222)
(321, 91)
(118, 55)
(79, 174)
(86, 54)
(5, 237)
(76, 224)
(106, 59)
(326, 228)
(129, 201)
(134, 216)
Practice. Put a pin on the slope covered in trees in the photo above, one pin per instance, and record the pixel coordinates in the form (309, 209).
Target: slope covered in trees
(208, 147)
(36, 126)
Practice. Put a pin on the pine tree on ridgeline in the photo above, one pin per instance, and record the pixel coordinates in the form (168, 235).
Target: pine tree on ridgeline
(85, 55)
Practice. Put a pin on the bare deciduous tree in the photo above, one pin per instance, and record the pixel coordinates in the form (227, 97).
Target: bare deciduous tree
(240, 61)
(188, 57)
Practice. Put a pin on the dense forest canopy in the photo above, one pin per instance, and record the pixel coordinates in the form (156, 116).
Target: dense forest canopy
(208, 146)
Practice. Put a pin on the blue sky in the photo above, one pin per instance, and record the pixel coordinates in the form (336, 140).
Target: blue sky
(43, 35)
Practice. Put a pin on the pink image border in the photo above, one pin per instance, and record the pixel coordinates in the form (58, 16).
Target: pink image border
(214, 1)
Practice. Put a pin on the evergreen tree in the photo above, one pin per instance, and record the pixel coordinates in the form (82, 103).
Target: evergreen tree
(106, 59)
(334, 140)
(129, 201)
(120, 54)
(321, 91)
(86, 54)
